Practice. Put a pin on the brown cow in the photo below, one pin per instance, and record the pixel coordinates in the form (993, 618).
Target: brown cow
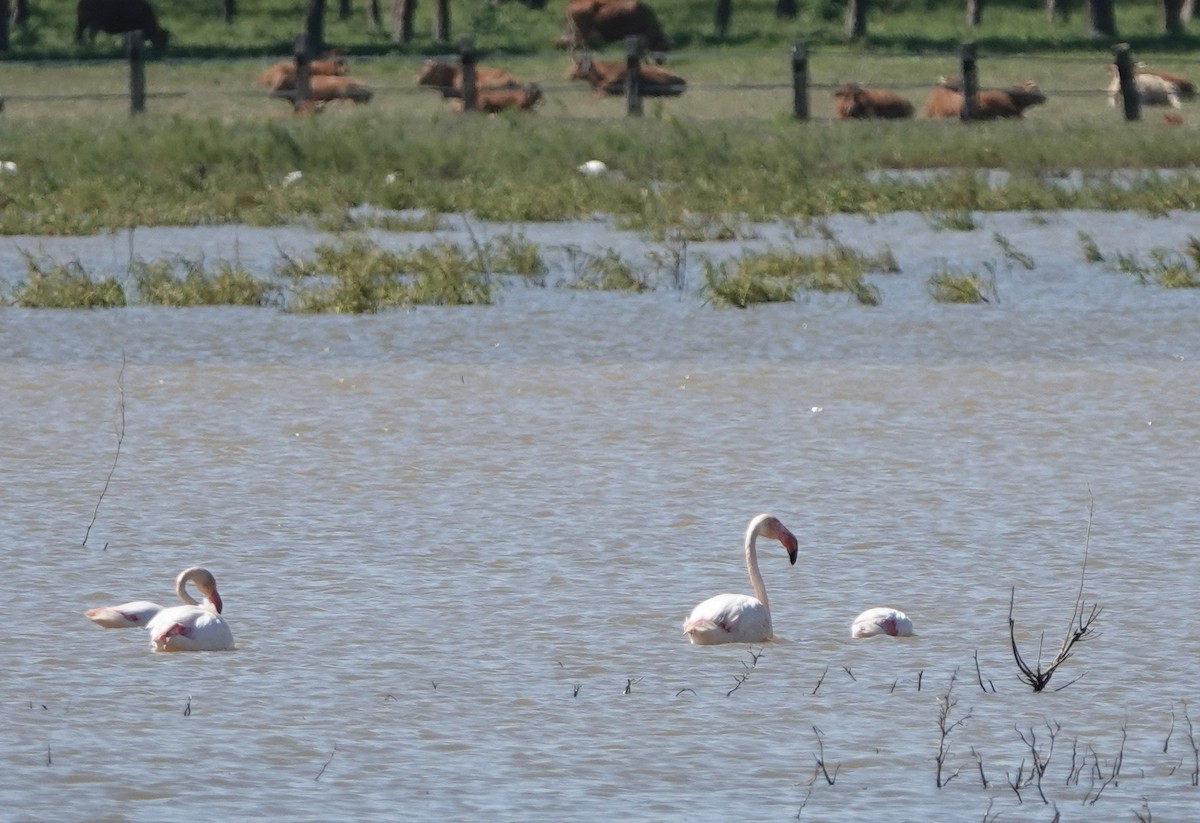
(856, 102)
(282, 75)
(326, 88)
(447, 77)
(593, 23)
(946, 101)
(608, 77)
(492, 101)
(118, 17)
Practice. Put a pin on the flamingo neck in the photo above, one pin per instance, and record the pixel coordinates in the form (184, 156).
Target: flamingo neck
(181, 590)
(756, 581)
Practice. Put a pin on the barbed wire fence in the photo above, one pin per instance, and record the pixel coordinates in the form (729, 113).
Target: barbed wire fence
(797, 82)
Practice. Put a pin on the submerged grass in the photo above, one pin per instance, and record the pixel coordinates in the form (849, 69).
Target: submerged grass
(951, 286)
(158, 283)
(53, 285)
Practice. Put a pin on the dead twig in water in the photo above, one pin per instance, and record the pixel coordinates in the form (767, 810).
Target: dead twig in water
(749, 667)
(979, 675)
(117, 455)
(1037, 769)
(629, 681)
(946, 704)
(1114, 771)
(1195, 748)
(820, 758)
(327, 762)
(820, 680)
(982, 777)
(187, 710)
(1078, 629)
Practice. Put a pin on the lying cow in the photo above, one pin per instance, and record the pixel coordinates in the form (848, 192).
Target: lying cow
(282, 75)
(856, 102)
(593, 23)
(492, 101)
(447, 77)
(1152, 89)
(946, 101)
(118, 17)
(608, 77)
(324, 88)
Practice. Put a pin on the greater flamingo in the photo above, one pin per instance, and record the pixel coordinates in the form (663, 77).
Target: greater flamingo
(135, 614)
(882, 620)
(739, 618)
(196, 626)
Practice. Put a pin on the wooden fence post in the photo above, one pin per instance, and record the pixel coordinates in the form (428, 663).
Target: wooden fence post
(633, 76)
(970, 82)
(800, 81)
(441, 21)
(466, 56)
(137, 71)
(1123, 57)
(303, 59)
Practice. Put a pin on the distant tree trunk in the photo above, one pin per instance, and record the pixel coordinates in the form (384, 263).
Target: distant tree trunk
(343, 9)
(20, 15)
(722, 15)
(1189, 8)
(373, 13)
(5, 15)
(402, 20)
(974, 12)
(856, 19)
(786, 9)
(441, 21)
(1056, 7)
(1101, 22)
(228, 10)
(1170, 17)
(314, 26)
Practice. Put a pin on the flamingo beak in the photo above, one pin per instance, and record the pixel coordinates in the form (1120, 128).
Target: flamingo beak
(790, 543)
(215, 599)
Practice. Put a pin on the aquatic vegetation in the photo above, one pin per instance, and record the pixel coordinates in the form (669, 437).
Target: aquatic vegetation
(158, 283)
(605, 272)
(1091, 251)
(949, 286)
(53, 285)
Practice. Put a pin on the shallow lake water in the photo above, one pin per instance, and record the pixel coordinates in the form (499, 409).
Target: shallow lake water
(456, 545)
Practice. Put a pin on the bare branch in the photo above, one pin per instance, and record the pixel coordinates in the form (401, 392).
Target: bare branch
(117, 454)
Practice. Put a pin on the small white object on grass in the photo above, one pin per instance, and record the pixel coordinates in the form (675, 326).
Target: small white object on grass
(8, 166)
(293, 177)
(593, 168)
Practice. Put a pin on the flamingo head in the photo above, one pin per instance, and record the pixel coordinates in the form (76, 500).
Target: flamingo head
(770, 527)
(207, 585)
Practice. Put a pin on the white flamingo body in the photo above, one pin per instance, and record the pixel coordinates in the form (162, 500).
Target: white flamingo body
(882, 621)
(740, 618)
(136, 614)
(196, 626)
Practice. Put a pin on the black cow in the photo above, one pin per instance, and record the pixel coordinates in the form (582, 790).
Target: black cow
(118, 17)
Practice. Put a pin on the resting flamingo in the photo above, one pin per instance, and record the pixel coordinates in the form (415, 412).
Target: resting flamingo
(882, 620)
(196, 626)
(135, 614)
(739, 618)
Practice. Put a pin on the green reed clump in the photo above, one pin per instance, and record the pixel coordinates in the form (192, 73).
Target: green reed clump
(1091, 251)
(948, 286)
(514, 254)
(776, 275)
(53, 285)
(1011, 253)
(606, 272)
(961, 220)
(1169, 268)
(158, 283)
(357, 276)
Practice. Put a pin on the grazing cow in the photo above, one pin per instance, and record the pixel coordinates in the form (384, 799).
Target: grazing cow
(1152, 89)
(282, 75)
(447, 77)
(118, 17)
(856, 102)
(608, 77)
(946, 100)
(593, 23)
(492, 101)
(1185, 88)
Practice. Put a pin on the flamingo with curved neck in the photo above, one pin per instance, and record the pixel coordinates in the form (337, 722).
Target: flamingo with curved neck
(196, 626)
(739, 618)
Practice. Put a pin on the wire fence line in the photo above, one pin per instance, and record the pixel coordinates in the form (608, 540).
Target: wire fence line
(816, 76)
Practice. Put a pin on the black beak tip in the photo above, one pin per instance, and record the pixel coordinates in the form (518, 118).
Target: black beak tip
(792, 557)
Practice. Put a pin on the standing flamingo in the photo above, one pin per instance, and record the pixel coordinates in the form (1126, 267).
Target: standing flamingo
(739, 618)
(197, 626)
(882, 620)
